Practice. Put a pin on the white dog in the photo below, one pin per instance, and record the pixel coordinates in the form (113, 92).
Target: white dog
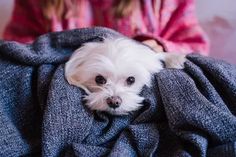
(113, 72)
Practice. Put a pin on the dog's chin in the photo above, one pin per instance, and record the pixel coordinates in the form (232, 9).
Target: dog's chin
(129, 104)
(121, 111)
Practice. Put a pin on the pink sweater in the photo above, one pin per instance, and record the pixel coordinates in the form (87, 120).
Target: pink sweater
(172, 23)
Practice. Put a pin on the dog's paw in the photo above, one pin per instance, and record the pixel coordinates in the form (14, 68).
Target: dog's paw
(175, 61)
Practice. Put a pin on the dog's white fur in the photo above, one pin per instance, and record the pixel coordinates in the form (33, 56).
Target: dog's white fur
(115, 60)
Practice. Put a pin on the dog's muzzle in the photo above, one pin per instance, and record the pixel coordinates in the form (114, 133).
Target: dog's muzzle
(114, 101)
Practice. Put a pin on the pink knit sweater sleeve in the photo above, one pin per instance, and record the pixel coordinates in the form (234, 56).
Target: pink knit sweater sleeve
(179, 30)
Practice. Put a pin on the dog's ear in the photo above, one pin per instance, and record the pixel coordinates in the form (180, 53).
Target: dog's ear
(72, 71)
(74, 67)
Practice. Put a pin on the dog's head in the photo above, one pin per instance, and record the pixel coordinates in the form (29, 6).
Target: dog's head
(112, 73)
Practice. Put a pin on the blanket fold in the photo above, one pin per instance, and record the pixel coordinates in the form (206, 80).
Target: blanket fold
(190, 112)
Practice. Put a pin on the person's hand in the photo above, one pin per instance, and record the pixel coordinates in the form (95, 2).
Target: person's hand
(154, 45)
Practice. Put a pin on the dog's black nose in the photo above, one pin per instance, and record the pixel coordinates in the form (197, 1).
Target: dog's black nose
(114, 101)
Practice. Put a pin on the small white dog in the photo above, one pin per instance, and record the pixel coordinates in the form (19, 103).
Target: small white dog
(113, 72)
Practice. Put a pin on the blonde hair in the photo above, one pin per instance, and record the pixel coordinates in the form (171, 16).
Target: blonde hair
(53, 7)
(57, 7)
(124, 8)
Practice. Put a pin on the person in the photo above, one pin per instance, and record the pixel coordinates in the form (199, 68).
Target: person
(165, 25)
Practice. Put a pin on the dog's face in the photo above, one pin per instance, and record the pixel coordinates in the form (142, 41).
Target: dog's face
(112, 73)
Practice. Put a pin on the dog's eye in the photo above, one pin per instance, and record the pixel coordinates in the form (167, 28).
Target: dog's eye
(130, 80)
(100, 80)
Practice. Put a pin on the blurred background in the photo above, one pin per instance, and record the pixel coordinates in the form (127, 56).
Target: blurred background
(217, 17)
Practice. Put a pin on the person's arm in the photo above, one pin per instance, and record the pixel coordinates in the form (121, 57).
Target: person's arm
(27, 22)
(179, 28)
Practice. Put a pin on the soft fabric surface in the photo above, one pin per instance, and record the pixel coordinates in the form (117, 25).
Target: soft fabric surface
(188, 112)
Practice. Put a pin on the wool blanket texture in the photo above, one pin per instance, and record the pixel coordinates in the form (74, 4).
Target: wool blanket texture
(189, 112)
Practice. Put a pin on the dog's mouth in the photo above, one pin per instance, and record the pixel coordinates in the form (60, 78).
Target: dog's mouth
(117, 112)
(96, 101)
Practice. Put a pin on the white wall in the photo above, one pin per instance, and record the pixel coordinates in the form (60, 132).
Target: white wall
(217, 17)
(209, 8)
(5, 13)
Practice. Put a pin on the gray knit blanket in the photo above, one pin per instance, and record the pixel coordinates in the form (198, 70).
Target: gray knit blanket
(190, 112)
